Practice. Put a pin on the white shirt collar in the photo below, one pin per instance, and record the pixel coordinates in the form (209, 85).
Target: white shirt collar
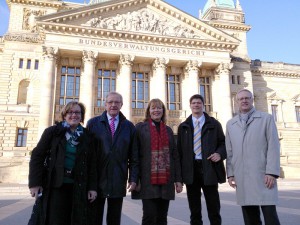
(201, 120)
(109, 117)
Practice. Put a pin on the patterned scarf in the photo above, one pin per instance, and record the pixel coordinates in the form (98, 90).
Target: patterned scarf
(244, 117)
(160, 154)
(72, 137)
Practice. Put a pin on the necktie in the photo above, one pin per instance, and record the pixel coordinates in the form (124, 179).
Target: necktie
(197, 138)
(112, 125)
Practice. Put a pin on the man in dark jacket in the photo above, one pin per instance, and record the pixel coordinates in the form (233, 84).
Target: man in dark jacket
(201, 145)
(119, 153)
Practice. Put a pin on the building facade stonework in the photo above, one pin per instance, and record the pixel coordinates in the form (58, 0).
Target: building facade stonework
(55, 52)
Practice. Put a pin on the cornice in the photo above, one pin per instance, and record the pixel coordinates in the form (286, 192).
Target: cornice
(91, 32)
(230, 26)
(272, 73)
(52, 4)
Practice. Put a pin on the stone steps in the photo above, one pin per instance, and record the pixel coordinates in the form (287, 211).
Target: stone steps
(13, 189)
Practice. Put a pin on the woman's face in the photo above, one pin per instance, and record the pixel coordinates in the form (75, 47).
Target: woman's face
(156, 112)
(73, 116)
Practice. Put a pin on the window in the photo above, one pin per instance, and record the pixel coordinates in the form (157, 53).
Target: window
(205, 91)
(22, 92)
(232, 79)
(21, 137)
(28, 64)
(297, 110)
(36, 64)
(274, 109)
(173, 92)
(69, 84)
(238, 78)
(106, 84)
(21, 62)
(140, 90)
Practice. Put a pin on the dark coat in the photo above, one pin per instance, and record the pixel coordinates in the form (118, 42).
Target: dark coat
(212, 140)
(149, 191)
(116, 155)
(53, 142)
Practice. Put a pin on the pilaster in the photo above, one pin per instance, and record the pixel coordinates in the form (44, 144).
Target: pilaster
(47, 88)
(158, 80)
(87, 82)
(225, 104)
(123, 82)
(190, 83)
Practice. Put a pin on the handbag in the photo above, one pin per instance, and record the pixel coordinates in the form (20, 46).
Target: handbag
(37, 214)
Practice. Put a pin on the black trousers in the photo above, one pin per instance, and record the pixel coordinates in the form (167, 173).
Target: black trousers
(60, 205)
(155, 211)
(211, 195)
(251, 215)
(114, 210)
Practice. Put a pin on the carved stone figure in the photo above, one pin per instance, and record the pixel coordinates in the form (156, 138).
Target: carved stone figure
(143, 20)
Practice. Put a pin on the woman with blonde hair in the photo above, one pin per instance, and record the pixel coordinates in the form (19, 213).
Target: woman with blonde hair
(160, 170)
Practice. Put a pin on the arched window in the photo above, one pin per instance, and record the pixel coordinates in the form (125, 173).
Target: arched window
(23, 91)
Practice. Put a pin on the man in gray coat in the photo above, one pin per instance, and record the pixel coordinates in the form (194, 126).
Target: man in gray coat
(253, 161)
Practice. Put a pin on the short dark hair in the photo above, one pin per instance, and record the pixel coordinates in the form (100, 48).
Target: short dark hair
(70, 105)
(197, 96)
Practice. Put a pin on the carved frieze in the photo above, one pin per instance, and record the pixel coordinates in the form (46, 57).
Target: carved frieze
(29, 19)
(32, 38)
(144, 21)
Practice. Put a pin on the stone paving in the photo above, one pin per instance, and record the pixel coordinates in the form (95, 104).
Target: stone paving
(16, 205)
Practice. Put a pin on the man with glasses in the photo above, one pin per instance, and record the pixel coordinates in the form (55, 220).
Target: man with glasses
(253, 161)
(118, 155)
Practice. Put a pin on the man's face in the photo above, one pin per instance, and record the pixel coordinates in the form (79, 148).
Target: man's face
(113, 105)
(245, 101)
(197, 106)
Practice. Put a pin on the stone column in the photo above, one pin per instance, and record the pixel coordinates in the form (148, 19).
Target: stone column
(190, 83)
(87, 83)
(158, 80)
(47, 84)
(225, 103)
(123, 83)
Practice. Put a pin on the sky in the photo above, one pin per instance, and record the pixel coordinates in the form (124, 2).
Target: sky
(274, 34)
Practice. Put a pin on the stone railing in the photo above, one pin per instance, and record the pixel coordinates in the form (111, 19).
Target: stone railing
(282, 125)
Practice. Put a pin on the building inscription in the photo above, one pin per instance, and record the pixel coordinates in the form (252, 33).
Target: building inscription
(140, 47)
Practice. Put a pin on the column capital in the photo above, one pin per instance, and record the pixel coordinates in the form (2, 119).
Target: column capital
(160, 63)
(49, 53)
(224, 68)
(193, 65)
(126, 60)
(89, 56)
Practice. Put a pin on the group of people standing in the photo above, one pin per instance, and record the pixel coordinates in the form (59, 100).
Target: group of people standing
(78, 170)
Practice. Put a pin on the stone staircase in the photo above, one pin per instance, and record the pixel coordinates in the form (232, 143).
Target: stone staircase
(13, 189)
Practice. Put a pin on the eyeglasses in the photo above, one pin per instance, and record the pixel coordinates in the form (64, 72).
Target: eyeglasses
(77, 113)
(245, 98)
(113, 102)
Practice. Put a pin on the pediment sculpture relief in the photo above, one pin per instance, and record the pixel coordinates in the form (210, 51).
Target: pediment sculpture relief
(144, 21)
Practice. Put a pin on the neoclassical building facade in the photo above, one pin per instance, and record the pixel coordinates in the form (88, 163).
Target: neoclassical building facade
(55, 52)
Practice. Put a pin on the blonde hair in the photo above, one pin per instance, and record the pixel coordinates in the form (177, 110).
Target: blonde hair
(156, 102)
